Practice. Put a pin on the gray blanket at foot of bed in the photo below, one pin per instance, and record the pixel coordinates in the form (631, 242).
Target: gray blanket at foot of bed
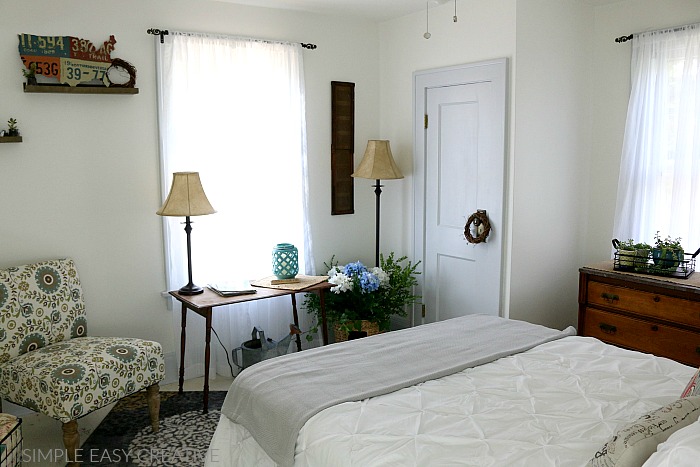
(274, 398)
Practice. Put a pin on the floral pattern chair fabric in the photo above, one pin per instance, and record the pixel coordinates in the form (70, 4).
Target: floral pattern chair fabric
(47, 362)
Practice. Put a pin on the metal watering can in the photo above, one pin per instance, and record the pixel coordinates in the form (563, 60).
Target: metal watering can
(259, 348)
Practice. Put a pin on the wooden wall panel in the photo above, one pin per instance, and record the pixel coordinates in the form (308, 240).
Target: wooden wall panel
(342, 147)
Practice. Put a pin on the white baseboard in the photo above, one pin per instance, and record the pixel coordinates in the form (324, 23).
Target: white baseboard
(171, 369)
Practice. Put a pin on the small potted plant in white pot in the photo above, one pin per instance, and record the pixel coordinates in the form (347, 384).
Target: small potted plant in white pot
(643, 253)
(626, 252)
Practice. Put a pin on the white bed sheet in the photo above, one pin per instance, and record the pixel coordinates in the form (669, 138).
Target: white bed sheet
(682, 449)
(555, 404)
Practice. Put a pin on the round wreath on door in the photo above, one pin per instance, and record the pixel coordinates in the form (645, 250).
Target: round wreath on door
(478, 227)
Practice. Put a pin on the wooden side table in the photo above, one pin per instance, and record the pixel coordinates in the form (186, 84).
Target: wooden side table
(204, 303)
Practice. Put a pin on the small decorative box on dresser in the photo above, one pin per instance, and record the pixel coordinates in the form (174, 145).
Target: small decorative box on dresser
(651, 314)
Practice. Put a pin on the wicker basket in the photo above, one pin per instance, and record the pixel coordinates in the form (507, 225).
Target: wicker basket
(371, 328)
(10, 440)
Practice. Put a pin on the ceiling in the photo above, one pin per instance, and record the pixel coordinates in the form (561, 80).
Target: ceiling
(376, 10)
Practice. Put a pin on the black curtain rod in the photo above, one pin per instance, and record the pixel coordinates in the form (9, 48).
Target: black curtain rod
(622, 39)
(164, 32)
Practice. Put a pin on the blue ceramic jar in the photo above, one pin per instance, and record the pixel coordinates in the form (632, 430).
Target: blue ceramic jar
(285, 261)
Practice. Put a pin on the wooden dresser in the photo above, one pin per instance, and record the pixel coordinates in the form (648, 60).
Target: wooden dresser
(641, 312)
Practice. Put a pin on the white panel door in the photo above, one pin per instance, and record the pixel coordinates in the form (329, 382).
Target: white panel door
(462, 169)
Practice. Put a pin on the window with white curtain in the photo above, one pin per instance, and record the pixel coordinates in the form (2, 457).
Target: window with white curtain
(659, 184)
(233, 110)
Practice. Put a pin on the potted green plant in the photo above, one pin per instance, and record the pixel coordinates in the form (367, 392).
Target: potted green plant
(667, 252)
(643, 253)
(12, 129)
(363, 300)
(626, 252)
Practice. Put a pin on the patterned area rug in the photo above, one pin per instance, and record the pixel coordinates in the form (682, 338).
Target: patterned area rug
(125, 438)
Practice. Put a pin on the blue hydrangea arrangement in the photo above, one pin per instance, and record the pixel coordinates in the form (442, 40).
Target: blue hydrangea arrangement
(362, 293)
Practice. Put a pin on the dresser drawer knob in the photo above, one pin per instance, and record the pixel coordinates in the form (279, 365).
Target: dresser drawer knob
(657, 299)
(608, 328)
(609, 297)
(654, 328)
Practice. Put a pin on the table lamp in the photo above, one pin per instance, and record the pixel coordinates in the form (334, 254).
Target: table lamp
(377, 164)
(187, 198)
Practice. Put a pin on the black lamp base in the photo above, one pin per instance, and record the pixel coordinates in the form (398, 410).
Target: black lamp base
(190, 289)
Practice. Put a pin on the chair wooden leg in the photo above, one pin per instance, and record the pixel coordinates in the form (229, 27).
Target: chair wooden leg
(71, 440)
(153, 397)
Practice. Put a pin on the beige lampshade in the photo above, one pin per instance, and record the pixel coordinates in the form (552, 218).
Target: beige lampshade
(186, 197)
(377, 163)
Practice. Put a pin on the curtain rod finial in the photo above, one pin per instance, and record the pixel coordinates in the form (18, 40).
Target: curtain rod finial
(157, 32)
(624, 38)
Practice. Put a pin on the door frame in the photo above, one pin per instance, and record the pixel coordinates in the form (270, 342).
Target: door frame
(439, 77)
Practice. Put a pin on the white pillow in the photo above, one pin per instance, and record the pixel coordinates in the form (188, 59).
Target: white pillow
(634, 443)
(682, 449)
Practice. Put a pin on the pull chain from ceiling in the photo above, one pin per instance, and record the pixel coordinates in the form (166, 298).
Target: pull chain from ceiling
(427, 34)
(427, 23)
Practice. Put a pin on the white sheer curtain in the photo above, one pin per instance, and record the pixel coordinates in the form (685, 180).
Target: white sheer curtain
(659, 185)
(233, 110)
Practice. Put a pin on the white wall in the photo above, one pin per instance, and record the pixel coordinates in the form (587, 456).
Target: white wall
(85, 183)
(484, 30)
(569, 92)
(546, 44)
(610, 96)
(551, 147)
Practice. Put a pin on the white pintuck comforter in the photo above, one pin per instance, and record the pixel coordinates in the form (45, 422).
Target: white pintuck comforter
(554, 405)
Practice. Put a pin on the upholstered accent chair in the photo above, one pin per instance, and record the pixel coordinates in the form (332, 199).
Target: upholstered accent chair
(47, 362)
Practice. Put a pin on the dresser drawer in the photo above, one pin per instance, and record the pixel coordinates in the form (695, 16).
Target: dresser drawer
(676, 310)
(659, 339)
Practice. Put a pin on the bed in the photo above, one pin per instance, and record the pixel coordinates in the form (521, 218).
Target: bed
(511, 393)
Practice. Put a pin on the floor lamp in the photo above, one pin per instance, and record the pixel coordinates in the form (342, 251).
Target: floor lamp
(378, 164)
(187, 198)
